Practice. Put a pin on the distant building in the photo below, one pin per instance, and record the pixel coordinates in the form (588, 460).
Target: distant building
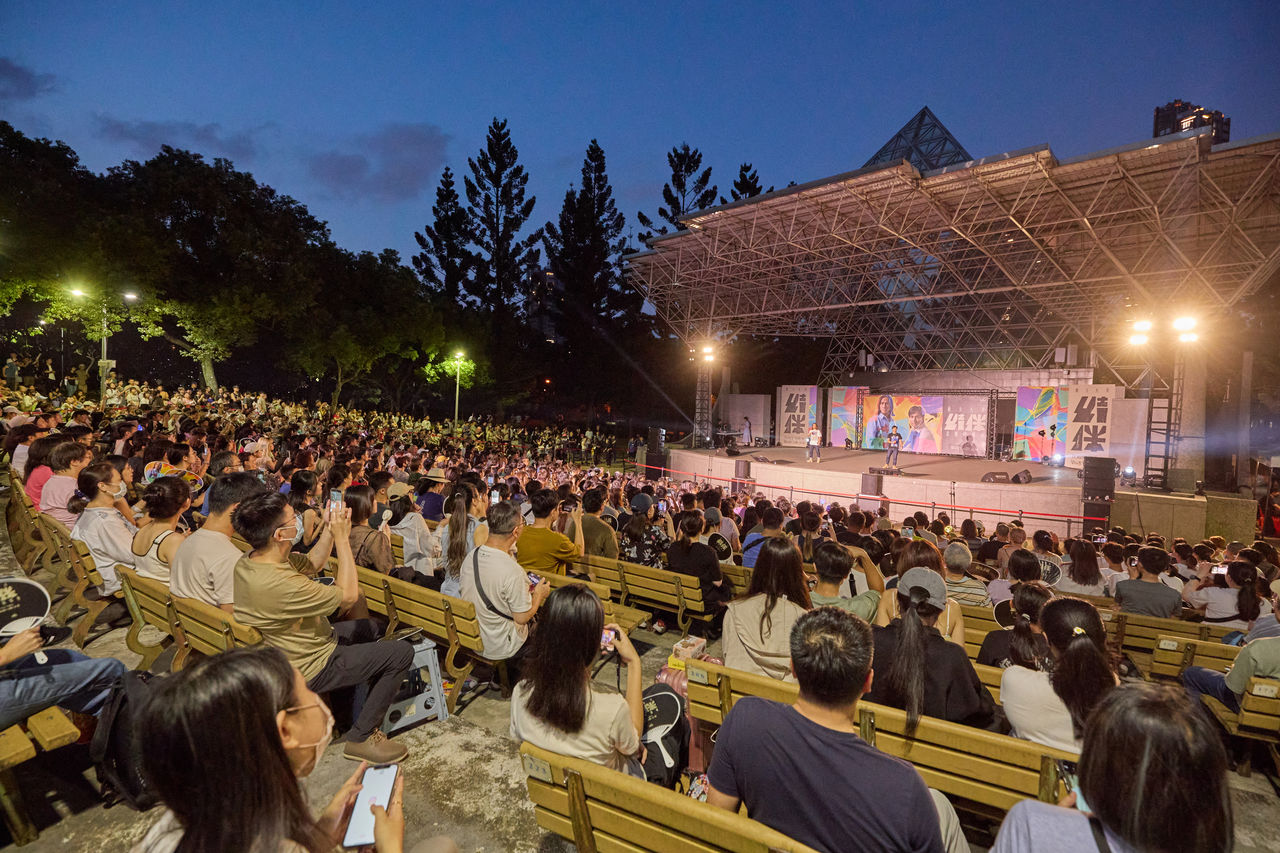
(1177, 116)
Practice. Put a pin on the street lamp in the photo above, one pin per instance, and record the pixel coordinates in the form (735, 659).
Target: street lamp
(103, 363)
(457, 386)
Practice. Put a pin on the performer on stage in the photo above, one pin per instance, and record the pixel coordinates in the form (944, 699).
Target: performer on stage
(813, 445)
(892, 442)
(878, 429)
(919, 440)
(746, 431)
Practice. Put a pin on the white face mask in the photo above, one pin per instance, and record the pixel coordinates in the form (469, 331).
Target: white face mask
(319, 746)
(121, 490)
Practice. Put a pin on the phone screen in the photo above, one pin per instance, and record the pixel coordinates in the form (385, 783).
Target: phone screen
(607, 638)
(1220, 569)
(376, 786)
(494, 497)
(662, 506)
(490, 479)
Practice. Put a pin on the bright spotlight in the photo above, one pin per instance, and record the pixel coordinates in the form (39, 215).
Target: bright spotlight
(458, 354)
(1137, 340)
(1188, 337)
(708, 358)
(130, 297)
(1184, 324)
(1142, 326)
(1128, 471)
(707, 349)
(77, 292)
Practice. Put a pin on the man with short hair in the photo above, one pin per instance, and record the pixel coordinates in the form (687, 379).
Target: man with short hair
(813, 445)
(892, 445)
(922, 528)
(1258, 659)
(770, 526)
(989, 551)
(598, 538)
(1147, 594)
(292, 612)
(542, 550)
(833, 563)
(803, 770)
(204, 566)
(499, 588)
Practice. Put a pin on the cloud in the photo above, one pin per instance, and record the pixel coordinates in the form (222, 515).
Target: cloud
(20, 83)
(396, 163)
(146, 137)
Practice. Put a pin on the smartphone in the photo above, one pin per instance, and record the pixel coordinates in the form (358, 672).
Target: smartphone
(1071, 778)
(1100, 540)
(662, 506)
(335, 500)
(534, 580)
(494, 497)
(490, 479)
(376, 787)
(1220, 569)
(607, 638)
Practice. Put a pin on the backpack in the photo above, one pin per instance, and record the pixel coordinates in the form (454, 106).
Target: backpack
(116, 750)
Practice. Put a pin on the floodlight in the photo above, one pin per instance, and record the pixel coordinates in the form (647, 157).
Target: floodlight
(708, 357)
(458, 354)
(707, 348)
(130, 297)
(1058, 459)
(1188, 337)
(1137, 340)
(1142, 326)
(1184, 324)
(1128, 471)
(77, 292)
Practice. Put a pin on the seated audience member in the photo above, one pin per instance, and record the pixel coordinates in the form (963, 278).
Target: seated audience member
(66, 461)
(37, 471)
(1267, 624)
(1017, 542)
(1121, 800)
(757, 626)
(834, 563)
(555, 706)
(204, 564)
(370, 547)
(430, 494)
(989, 551)
(65, 678)
(463, 532)
(645, 537)
(1115, 569)
(1234, 603)
(292, 611)
(304, 491)
(598, 538)
(956, 560)
(1022, 567)
(499, 588)
(100, 525)
(917, 553)
(165, 499)
(690, 557)
(281, 731)
(1047, 701)
(921, 672)
(421, 549)
(540, 549)
(803, 770)
(770, 528)
(1258, 659)
(1081, 575)
(1025, 643)
(1146, 595)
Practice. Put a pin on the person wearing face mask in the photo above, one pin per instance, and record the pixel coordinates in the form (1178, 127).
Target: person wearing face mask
(281, 732)
(100, 525)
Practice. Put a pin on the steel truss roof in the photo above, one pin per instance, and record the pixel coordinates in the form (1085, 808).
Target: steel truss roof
(990, 263)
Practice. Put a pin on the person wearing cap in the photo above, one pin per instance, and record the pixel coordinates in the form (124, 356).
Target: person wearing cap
(430, 491)
(647, 534)
(921, 671)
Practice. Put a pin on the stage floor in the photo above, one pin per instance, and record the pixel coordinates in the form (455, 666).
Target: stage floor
(913, 465)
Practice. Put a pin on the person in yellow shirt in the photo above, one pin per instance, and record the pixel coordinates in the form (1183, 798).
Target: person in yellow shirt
(540, 549)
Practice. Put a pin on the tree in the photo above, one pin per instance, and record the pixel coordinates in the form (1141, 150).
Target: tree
(498, 209)
(446, 261)
(686, 192)
(747, 185)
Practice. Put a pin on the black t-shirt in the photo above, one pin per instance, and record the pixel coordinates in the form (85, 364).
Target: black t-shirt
(989, 551)
(952, 689)
(824, 788)
(995, 648)
(694, 558)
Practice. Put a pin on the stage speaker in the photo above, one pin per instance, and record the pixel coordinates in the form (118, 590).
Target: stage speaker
(872, 484)
(742, 469)
(730, 450)
(657, 440)
(760, 457)
(654, 463)
(1100, 466)
(1098, 510)
(1023, 477)
(996, 477)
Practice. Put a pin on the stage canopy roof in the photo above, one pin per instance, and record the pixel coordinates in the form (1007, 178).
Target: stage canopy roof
(988, 263)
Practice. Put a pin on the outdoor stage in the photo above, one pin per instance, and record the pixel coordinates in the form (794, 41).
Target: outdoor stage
(1052, 500)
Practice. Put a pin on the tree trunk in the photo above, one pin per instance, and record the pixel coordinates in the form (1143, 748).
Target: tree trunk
(337, 390)
(206, 368)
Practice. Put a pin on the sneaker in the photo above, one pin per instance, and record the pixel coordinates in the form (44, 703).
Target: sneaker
(659, 627)
(376, 749)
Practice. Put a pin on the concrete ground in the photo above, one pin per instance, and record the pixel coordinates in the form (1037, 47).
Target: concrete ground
(463, 777)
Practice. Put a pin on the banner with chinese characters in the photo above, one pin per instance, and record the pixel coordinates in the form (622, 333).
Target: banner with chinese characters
(1040, 423)
(842, 415)
(1089, 421)
(964, 424)
(797, 413)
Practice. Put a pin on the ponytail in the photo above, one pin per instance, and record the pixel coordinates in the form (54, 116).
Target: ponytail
(87, 482)
(459, 504)
(1245, 576)
(905, 677)
(1082, 672)
(1028, 600)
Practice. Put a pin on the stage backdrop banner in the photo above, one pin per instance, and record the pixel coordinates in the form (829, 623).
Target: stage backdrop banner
(755, 407)
(1088, 422)
(1040, 409)
(797, 413)
(842, 415)
(964, 424)
(917, 418)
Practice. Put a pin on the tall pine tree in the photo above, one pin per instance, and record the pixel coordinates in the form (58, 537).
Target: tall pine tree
(687, 191)
(747, 185)
(445, 260)
(505, 262)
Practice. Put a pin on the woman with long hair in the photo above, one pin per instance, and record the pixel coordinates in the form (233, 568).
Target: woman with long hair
(165, 499)
(1140, 741)
(555, 706)
(1024, 644)
(463, 532)
(917, 553)
(37, 470)
(757, 626)
(1231, 599)
(1049, 701)
(1081, 576)
(370, 547)
(809, 536)
(281, 729)
(690, 557)
(421, 549)
(304, 492)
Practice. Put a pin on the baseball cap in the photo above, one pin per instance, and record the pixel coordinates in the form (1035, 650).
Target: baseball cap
(640, 503)
(712, 515)
(927, 580)
(10, 410)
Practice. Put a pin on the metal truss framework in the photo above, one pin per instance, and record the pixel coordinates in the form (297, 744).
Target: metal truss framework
(993, 263)
(924, 142)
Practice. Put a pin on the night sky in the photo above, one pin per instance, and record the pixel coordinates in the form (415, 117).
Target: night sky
(354, 108)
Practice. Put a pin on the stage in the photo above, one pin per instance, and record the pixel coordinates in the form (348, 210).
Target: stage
(934, 483)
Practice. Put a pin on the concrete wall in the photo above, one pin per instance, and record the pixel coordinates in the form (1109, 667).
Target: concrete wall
(1231, 517)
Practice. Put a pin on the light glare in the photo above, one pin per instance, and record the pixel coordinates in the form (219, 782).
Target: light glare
(1142, 326)
(1137, 340)
(1184, 324)
(1188, 337)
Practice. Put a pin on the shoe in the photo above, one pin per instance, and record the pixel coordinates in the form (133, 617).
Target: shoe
(376, 749)
(51, 635)
(659, 627)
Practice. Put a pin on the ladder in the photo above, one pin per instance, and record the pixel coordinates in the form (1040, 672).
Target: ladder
(1164, 422)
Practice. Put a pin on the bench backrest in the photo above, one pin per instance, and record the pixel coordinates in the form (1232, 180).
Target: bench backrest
(979, 619)
(740, 576)
(662, 587)
(147, 598)
(605, 810)
(605, 570)
(1260, 706)
(210, 630)
(442, 617)
(989, 771)
(82, 563)
(1141, 633)
(397, 548)
(1174, 654)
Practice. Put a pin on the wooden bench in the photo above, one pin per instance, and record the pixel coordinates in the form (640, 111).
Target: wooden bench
(978, 622)
(47, 730)
(205, 629)
(664, 589)
(599, 809)
(626, 618)
(981, 772)
(1257, 720)
(84, 593)
(990, 678)
(739, 576)
(1137, 635)
(397, 549)
(604, 570)
(149, 603)
(1172, 655)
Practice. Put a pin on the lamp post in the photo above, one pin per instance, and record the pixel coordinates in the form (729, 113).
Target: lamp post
(105, 364)
(457, 387)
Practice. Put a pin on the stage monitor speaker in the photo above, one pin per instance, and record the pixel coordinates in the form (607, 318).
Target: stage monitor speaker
(654, 465)
(760, 457)
(730, 450)
(742, 469)
(1023, 477)
(657, 440)
(1100, 466)
(872, 484)
(1097, 510)
(996, 477)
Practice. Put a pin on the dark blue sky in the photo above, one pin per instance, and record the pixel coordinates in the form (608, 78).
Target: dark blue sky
(354, 108)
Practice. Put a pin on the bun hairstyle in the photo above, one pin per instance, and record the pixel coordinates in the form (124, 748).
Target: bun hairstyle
(1029, 598)
(1082, 672)
(1245, 575)
(1043, 541)
(87, 483)
(905, 678)
(165, 497)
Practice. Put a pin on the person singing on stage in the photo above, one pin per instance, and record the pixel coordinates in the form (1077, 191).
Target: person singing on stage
(892, 443)
(746, 431)
(813, 445)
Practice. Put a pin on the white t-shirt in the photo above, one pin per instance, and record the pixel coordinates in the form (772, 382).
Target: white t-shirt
(1219, 603)
(204, 568)
(607, 736)
(1034, 710)
(507, 586)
